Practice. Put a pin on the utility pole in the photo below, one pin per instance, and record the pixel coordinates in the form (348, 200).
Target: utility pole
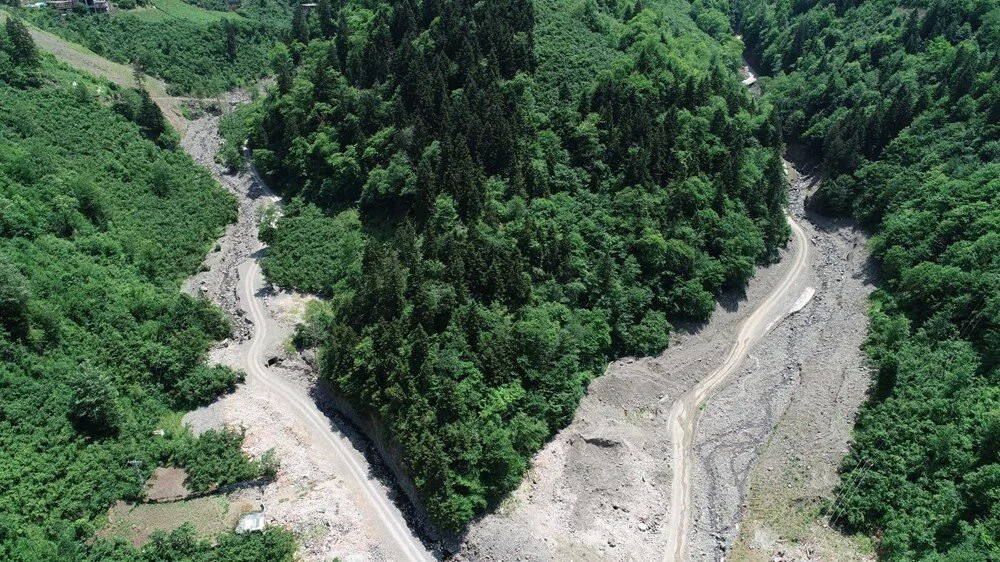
(138, 472)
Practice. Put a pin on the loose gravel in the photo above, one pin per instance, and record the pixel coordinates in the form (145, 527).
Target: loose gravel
(600, 489)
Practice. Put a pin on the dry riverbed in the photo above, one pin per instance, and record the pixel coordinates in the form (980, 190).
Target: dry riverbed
(311, 495)
(600, 490)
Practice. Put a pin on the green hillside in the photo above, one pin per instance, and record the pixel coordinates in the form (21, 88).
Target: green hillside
(98, 348)
(196, 51)
(529, 190)
(903, 105)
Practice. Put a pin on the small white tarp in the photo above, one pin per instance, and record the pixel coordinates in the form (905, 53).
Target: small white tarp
(251, 522)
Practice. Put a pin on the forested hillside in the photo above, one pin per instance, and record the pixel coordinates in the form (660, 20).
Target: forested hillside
(197, 52)
(98, 347)
(499, 197)
(902, 103)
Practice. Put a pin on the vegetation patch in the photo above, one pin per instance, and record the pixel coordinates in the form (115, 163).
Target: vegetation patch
(100, 221)
(493, 221)
(208, 516)
(904, 107)
(196, 51)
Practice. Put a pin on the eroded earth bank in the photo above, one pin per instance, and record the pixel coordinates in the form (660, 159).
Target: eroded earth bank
(600, 490)
(325, 491)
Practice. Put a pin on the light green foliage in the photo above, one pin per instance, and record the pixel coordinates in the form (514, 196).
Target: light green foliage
(314, 252)
(215, 458)
(97, 343)
(182, 545)
(903, 105)
(94, 408)
(195, 51)
(499, 197)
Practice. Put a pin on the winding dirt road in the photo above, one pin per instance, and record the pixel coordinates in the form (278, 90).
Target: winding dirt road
(316, 423)
(683, 417)
(202, 145)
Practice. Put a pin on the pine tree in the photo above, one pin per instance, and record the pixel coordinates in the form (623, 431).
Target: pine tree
(324, 13)
(21, 47)
(300, 25)
(229, 30)
(343, 41)
(283, 67)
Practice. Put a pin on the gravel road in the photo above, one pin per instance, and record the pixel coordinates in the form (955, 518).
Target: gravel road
(787, 298)
(601, 489)
(325, 490)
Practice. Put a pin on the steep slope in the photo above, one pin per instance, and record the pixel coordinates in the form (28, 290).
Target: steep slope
(510, 248)
(98, 226)
(903, 104)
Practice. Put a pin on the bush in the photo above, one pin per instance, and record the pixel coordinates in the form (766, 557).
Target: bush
(204, 385)
(94, 408)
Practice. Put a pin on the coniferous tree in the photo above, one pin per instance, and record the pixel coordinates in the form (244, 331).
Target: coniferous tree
(300, 23)
(324, 12)
(22, 47)
(283, 67)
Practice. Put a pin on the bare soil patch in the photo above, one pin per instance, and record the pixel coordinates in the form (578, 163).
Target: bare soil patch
(167, 483)
(810, 408)
(210, 516)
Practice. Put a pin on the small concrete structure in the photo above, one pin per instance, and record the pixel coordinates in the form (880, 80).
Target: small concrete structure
(100, 6)
(251, 522)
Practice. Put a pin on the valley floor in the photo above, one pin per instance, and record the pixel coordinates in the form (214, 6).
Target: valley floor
(600, 490)
(325, 492)
(766, 447)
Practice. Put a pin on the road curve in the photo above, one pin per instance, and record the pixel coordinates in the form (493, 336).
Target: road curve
(684, 413)
(302, 407)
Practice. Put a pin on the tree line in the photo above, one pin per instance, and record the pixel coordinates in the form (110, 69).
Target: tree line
(903, 106)
(490, 235)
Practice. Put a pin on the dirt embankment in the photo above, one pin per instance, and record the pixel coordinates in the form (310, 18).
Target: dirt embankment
(322, 502)
(769, 444)
(600, 490)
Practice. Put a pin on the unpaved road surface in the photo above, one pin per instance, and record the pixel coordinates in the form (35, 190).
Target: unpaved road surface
(601, 489)
(336, 445)
(325, 490)
(684, 413)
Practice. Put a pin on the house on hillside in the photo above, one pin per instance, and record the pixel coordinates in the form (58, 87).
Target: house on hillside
(100, 6)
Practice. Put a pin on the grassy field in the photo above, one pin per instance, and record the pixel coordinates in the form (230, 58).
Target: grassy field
(209, 515)
(163, 10)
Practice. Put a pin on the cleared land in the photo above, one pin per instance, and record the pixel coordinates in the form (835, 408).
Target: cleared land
(162, 10)
(209, 515)
(684, 414)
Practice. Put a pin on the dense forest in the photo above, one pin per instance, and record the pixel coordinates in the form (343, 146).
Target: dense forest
(902, 103)
(197, 52)
(498, 197)
(99, 224)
